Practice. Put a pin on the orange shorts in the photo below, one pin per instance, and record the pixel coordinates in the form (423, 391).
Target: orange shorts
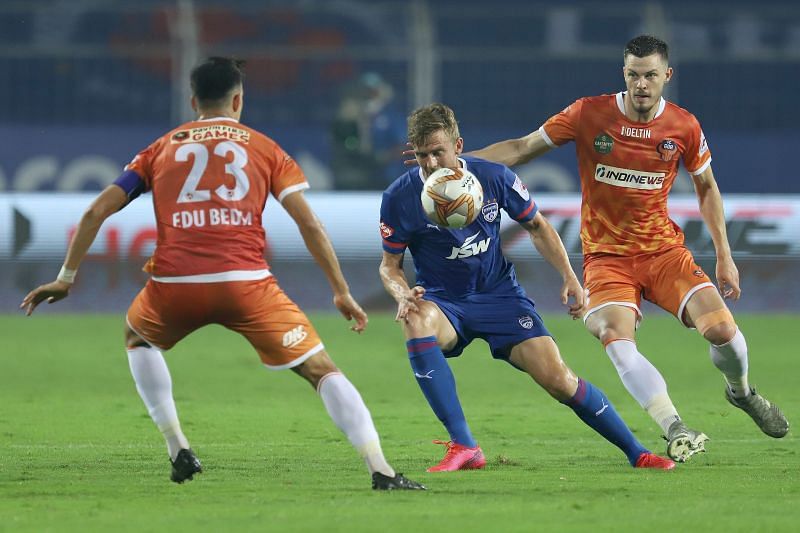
(668, 279)
(164, 313)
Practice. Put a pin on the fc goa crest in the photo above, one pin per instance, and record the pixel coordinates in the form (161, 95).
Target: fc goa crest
(667, 149)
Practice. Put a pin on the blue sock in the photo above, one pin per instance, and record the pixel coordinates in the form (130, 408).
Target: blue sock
(439, 387)
(592, 406)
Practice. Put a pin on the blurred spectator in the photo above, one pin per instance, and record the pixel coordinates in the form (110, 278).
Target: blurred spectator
(368, 136)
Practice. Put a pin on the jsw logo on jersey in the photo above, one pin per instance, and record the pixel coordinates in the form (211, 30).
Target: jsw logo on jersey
(470, 248)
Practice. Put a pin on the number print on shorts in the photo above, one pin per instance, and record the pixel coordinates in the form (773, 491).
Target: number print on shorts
(190, 192)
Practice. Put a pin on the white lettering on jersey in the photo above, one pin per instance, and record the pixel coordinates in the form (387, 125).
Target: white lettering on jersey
(469, 248)
(294, 336)
(214, 216)
(632, 179)
(639, 133)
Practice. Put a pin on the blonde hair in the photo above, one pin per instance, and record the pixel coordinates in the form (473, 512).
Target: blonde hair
(425, 121)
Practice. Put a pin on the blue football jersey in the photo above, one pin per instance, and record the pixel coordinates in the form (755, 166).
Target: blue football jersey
(460, 261)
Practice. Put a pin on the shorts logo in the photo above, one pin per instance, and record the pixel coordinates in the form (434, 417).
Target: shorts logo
(698, 272)
(294, 336)
(526, 322)
(603, 144)
(667, 149)
(490, 211)
(386, 230)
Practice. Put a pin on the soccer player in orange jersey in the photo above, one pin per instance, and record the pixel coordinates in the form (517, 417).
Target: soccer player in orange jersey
(629, 146)
(210, 180)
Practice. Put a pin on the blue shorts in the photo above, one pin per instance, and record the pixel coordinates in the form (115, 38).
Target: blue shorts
(503, 319)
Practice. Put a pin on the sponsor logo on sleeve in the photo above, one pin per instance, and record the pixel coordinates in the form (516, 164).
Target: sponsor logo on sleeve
(703, 144)
(667, 149)
(603, 144)
(631, 179)
(521, 189)
(386, 230)
(490, 211)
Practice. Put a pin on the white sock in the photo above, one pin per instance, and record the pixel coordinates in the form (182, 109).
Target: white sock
(643, 381)
(731, 359)
(154, 384)
(347, 409)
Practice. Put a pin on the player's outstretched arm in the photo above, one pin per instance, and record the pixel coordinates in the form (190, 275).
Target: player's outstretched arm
(548, 243)
(515, 151)
(509, 152)
(395, 283)
(108, 202)
(321, 249)
(710, 201)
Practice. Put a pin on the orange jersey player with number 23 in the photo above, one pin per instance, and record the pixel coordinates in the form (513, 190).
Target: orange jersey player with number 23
(210, 180)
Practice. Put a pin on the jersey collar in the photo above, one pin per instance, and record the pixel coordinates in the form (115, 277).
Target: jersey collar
(214, 119)
(462, 164)
(621, 104)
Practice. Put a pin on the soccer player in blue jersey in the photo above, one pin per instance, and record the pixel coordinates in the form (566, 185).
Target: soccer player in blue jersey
(473, 294)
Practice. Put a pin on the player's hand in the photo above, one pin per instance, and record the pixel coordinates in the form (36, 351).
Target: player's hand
(350, 309)
(52, 292)
(409, 303)
(410, 159)
(728, 279)
(574, 297)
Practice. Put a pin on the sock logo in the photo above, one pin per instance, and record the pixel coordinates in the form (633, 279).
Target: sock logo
(605, 406)
(294, 336)
(427, 375)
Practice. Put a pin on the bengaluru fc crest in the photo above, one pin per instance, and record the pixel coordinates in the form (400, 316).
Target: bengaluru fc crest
(489, 211)
(526, 322)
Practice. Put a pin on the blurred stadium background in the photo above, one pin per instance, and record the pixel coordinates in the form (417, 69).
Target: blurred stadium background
(86, 84)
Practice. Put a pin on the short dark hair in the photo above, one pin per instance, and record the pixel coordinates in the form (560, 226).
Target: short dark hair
(427, 120)
(645, 45)
(213, 79)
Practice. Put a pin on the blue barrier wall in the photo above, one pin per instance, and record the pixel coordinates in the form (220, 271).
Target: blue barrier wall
(39, 158)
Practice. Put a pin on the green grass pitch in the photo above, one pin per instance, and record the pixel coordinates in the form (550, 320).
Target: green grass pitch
(79, 453)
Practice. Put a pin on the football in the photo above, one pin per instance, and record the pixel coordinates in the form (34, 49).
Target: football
(452, 197)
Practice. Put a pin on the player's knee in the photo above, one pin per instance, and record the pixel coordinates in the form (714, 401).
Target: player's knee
(721, 333)
(717, 327)
(609, 333)
(561, 385)
(315, 368)
(132, 340)
(560, 388)
(421, 323)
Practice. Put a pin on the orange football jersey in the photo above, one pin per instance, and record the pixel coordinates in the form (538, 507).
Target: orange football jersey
(627, 170)
(210, 181)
